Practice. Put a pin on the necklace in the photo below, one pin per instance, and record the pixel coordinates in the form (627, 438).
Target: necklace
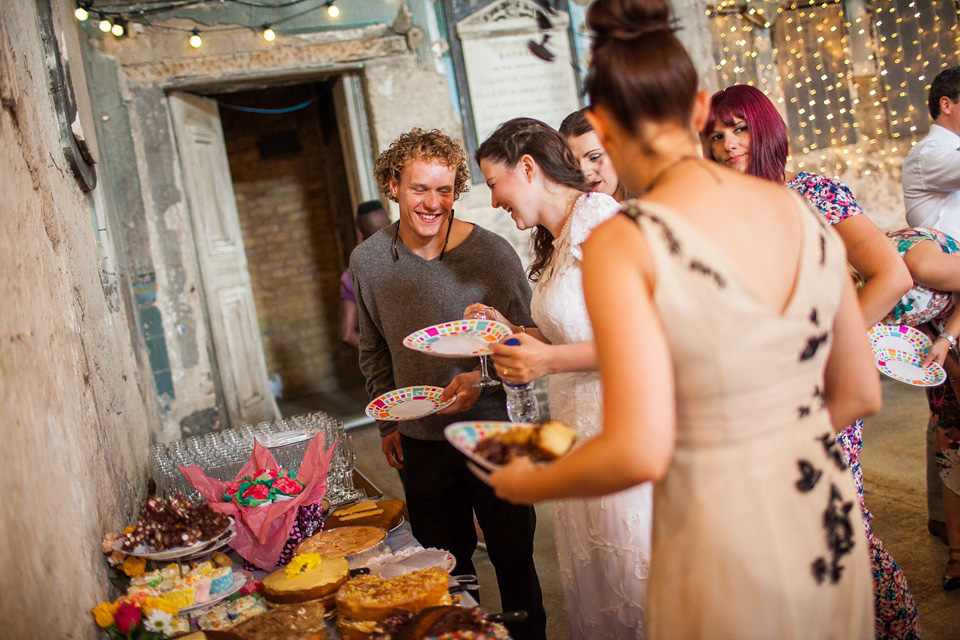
(568, 215)
(446, 239)
(667, 168)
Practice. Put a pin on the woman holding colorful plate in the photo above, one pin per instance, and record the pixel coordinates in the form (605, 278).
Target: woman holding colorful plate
(603, 544)
(745, 131)
(933, 258)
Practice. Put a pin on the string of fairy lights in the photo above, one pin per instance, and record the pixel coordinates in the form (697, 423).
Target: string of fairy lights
(117, 19)
(799, 53)
(807, 49)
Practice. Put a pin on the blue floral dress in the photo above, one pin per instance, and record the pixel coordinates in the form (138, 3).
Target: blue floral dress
(896, 611)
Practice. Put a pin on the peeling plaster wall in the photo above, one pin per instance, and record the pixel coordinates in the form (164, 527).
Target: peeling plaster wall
(74, 422)
(131, 81)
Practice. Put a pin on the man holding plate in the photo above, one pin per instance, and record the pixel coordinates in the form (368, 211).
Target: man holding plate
(424, 270)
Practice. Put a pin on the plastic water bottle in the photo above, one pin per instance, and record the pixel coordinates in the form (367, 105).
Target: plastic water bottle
(521, 400)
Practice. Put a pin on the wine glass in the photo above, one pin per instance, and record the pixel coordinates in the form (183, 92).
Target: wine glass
(483, 313)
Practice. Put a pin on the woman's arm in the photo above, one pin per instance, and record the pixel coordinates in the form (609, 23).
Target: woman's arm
(874, 257)
(639, 430)
(851, 378)
(933, 268)
(533, 358)
(941, 346)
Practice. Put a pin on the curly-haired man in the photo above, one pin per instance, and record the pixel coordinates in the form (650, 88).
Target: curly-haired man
(423, 270)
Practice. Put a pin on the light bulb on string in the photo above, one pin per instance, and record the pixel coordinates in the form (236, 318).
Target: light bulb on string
(81, 13)
(105, 25)
(195, 40)
(332, 10)
(268, 34)
(119, 28)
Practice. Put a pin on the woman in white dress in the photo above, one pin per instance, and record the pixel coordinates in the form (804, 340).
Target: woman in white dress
(534, 176)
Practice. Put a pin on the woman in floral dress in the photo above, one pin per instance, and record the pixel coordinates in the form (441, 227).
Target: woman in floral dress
(746, 132)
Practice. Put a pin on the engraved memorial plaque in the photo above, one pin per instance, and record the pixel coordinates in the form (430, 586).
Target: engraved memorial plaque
(505, 79)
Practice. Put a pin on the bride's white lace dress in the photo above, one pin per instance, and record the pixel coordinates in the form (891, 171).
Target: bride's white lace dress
(603, 544)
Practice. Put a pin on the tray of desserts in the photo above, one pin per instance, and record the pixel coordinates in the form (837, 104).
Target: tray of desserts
(238, 579)
(175, 527)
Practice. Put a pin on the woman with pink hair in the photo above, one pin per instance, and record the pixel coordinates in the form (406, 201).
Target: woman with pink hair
(745, 131)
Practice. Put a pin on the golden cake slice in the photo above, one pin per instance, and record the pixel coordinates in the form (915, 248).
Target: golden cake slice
(384, 514)
(552, 439)
(302, 581)
(365, 600)
(344, 542)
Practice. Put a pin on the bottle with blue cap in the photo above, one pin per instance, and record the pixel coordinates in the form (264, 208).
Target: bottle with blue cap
(522, 403)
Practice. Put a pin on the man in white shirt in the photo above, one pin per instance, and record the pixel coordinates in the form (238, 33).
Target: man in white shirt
(931, 171)
(931, 194)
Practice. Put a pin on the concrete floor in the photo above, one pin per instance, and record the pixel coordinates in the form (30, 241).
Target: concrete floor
(895, 490)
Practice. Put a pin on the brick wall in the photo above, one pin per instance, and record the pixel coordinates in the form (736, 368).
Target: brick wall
(297, 227)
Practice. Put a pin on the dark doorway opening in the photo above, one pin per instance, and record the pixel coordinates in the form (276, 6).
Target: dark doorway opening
(288, 173)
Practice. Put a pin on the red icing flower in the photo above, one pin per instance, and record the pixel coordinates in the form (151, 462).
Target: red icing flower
(251, 586)
(289, 486)
(232, 488)
(268, 474)
(127, 617)
(257, 492)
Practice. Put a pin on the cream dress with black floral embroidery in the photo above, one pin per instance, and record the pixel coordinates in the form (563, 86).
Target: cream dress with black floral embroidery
(603, 544)
(757, 531)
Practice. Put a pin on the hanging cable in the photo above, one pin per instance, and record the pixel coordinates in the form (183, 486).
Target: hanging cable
(302, 105)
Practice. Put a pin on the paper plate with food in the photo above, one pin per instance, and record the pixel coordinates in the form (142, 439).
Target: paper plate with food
(491, 445)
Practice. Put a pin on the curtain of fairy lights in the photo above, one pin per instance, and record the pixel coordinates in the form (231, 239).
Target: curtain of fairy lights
(916, 40)
(815, 70)
(734, 49)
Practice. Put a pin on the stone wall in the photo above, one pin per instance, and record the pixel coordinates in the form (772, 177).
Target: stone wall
(74, 421)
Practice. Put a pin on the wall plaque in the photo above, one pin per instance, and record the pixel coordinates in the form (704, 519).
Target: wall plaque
(504, 78)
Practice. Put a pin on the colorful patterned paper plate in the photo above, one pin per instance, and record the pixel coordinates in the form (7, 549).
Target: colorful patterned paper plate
(465, 436)
(899, 337)
(905, 366)
(408, 403)
(458, 339)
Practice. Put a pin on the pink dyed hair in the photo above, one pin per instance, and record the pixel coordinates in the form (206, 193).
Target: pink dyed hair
(768, 132)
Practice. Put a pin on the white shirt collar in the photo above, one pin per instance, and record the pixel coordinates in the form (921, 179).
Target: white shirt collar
(942, 133)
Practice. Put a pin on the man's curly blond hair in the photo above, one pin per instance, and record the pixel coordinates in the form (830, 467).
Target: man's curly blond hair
(418, 144)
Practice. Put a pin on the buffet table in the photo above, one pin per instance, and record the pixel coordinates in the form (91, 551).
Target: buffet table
(256, 489)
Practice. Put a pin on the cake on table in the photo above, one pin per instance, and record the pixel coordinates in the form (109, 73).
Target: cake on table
(304, 621)
(354, 543)
(309, 576)
(445, 621)
(368, 599)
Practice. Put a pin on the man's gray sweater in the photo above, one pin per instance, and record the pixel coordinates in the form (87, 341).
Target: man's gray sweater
(396, 297)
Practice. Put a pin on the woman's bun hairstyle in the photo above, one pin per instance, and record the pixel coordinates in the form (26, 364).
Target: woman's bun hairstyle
(639, 69)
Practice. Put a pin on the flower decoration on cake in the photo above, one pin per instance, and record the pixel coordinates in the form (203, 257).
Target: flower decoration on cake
(303, 562)
(268, 486)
